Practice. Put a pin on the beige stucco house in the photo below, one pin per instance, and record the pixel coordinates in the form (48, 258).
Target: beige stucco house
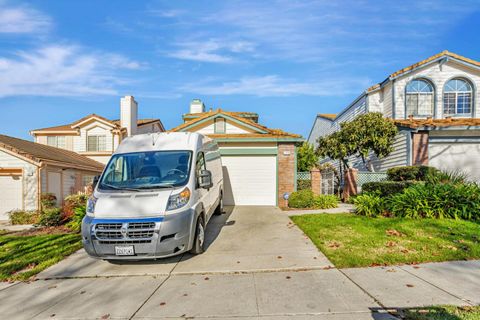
(29, 169)
(97, 137)
(259, 163)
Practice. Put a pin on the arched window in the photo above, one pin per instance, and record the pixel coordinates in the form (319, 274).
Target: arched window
(419, 98)
(457, 97)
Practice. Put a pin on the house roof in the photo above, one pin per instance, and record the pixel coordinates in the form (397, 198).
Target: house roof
(437, 123)
(262, 131)
(115, 123)
(250, 115)
(39, 153)
(432, 58)
(416, 65)
(329, 116)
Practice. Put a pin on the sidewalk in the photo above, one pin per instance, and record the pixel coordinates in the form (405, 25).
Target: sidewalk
(455, 282)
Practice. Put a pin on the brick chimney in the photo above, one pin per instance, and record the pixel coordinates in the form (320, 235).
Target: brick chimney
(197, 106)
(129, 114)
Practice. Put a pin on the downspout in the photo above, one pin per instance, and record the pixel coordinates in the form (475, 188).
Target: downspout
(394, 111)
(39, 186)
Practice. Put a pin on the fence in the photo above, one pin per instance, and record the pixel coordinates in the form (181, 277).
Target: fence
(304, 180)
(366, 176)
(328, 182)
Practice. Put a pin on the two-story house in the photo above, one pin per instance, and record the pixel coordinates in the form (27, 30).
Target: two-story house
(97, 137)
(259, 163)
(435, 104)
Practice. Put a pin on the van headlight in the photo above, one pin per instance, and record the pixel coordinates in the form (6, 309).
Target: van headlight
(178, 200)
(91, 202)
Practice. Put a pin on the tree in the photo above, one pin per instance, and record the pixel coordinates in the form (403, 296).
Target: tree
(366, 134)
(306, 157)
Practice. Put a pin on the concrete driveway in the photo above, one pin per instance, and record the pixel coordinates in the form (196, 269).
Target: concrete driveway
(257, 265)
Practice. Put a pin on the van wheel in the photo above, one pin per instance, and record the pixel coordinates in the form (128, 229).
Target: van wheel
(199, 240)
(219, 208)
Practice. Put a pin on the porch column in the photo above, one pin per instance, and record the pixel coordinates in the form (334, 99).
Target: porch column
(316, 180)
(420, 148)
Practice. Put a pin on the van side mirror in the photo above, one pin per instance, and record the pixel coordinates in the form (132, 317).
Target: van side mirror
(95, 181)
(205, 179)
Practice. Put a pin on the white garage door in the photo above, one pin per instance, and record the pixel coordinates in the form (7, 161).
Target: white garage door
(10, 194)
(250, 180)
(464, 157)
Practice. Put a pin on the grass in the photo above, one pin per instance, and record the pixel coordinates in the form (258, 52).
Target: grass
(356, 241)
(23, 256)
(442, 313)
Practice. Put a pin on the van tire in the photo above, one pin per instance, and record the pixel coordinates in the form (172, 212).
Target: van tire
(219, 208)
(199, 240)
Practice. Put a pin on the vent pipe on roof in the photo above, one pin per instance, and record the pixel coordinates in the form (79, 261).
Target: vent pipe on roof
(197, 106)
(129, 114)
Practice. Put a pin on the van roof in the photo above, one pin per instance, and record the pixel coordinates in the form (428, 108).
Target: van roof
(161, 141)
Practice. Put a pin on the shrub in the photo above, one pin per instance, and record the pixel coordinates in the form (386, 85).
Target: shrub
(23, 217)
(76, 220)
(50, 217)
(305, 199)
(301, 199)
(456, 201)
(303, 184)
(325, 201)
(386, 188)
(455, 177)
(369, 204)
(71, 203)
(48, 200)
(410, 173)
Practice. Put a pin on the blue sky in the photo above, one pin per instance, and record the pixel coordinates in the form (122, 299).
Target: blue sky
(286, 60)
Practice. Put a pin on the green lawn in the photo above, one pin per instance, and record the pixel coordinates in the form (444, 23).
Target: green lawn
(22, 256)
(442, 313)
(356, 241)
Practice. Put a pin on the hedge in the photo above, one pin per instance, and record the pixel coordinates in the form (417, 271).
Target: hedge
(386, 188)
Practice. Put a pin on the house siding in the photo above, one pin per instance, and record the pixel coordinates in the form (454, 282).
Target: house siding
(438, 74)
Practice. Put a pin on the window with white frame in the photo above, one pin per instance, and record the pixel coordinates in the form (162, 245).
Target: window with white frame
(57, 141)
(419, 98)
(219, 125)
(457, 98)
(96, 143)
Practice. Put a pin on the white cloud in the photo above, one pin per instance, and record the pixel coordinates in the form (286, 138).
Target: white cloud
(62, 71)
(273, 85)
(211, 50)
(23, 20)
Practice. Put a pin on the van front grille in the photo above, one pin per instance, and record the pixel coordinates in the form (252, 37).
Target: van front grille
(124, 231)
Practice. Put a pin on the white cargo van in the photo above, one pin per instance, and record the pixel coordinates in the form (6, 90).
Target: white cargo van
(154, 198)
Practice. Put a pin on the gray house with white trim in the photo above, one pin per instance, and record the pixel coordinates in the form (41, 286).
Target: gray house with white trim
(435, 104)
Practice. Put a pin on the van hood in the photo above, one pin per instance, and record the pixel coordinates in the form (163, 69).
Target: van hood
(132, 204)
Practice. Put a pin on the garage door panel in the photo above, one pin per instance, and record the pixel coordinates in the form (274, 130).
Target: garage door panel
(250, 180)
(11, 198)
(463, 157)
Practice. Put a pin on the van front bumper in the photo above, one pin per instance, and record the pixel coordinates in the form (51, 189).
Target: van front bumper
(151, 238)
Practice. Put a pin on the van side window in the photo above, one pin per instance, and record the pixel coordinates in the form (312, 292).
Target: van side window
(200, 165)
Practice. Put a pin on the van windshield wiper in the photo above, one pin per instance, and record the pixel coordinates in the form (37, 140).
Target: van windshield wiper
(119, 188)
(158, 186)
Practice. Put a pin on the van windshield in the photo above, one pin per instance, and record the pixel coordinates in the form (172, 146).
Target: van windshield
(146, 170)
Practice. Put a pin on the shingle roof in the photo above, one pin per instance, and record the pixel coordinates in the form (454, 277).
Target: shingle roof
(329, 116)
(435, 123)
(116, 123)
(40, 152)
(444, 53)
(434, 57)
(267, 131)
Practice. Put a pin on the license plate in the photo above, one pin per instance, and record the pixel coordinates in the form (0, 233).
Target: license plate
(124, 251)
